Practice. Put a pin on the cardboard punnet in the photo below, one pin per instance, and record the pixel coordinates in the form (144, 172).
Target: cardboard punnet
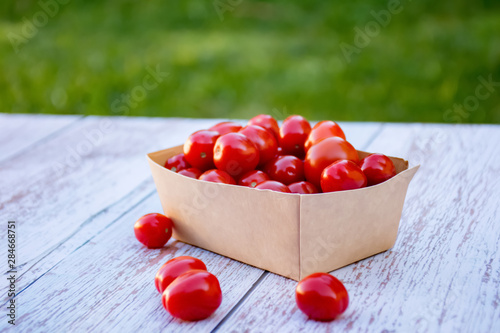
(292, 235)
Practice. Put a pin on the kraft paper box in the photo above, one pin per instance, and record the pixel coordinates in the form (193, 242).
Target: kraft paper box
(293, 235)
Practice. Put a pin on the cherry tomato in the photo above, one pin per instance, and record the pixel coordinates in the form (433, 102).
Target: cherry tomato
(217, 176)
(194, 295)
(264, 141)
(225, 127)
(253, 178)
(190, 172)
(175, 267)
(293, 134)
(378, 168)
(303, 188)
(325, 153)
(177, 163)
(153, 230)
(235, 154)
(268, 122)
(286, 169)
(279, 152)
(274, 186)
(342, 175)
(199, 149)
(322, 130)
(321, 296)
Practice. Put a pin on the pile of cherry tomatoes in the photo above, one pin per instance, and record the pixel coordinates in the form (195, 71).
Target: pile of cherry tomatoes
(190, 292)
(293, 158)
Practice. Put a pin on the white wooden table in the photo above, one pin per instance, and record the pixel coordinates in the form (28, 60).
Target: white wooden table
(75, 186)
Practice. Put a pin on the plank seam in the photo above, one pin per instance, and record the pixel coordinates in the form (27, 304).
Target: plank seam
(44, 139)
(241, 301)
(86, 242)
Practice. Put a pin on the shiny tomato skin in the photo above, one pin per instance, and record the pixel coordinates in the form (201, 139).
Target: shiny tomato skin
(286, 169)
(303, 188)
(268, 122)
(262, 139)
(378, 168)
(274, 186)
(253, 178)
(199, 149)
(235, 154)
(225, 127)
(174, 268)
(322, 130)
(194, 295)
(321, 296)
(293, 134)
(324, 153)
(191, 172)
(177, 163)
(342, 175)
(217, 176)
(153, 230)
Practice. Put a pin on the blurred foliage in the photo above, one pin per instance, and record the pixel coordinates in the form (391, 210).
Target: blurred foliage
(279, 57)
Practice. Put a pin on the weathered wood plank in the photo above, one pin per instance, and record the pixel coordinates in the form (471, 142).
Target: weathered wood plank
(68, 194)
(18, 132)
(233, 274)
(443, 272)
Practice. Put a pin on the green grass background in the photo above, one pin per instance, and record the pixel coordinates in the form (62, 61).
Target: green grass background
(279, 57)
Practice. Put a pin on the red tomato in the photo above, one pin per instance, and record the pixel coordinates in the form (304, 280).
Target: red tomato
(217, 176)
(322, 130)
(190, 172)
(303, 188)
(378, 168)
(194, 295)
(293, 134)
(342, 175)
(268, 122)
(321, 296)
(264, 141)
(286, 169)
(279, 152)
(225, 127)
(153, 230)
(235, 154)
(175, 267)
(199, 149)
(273, 185)
(325, 153)
(177, 163)
(253, 178)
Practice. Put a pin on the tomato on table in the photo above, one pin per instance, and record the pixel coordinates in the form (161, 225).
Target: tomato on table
(194, 295)
(286, 169)
(153, 230)
(264, 140)
(378, 168)
(322, 130)
(217, 176)
(190, 172)
(235, 154)
(303, 188)
(293, 134)
(342, 175)
(273, 185)
(174, 268)
(321, 297)
(324, 153)
(225, 127)
(253, 178)
(177, 163)
(268, 122)
(199, 149)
